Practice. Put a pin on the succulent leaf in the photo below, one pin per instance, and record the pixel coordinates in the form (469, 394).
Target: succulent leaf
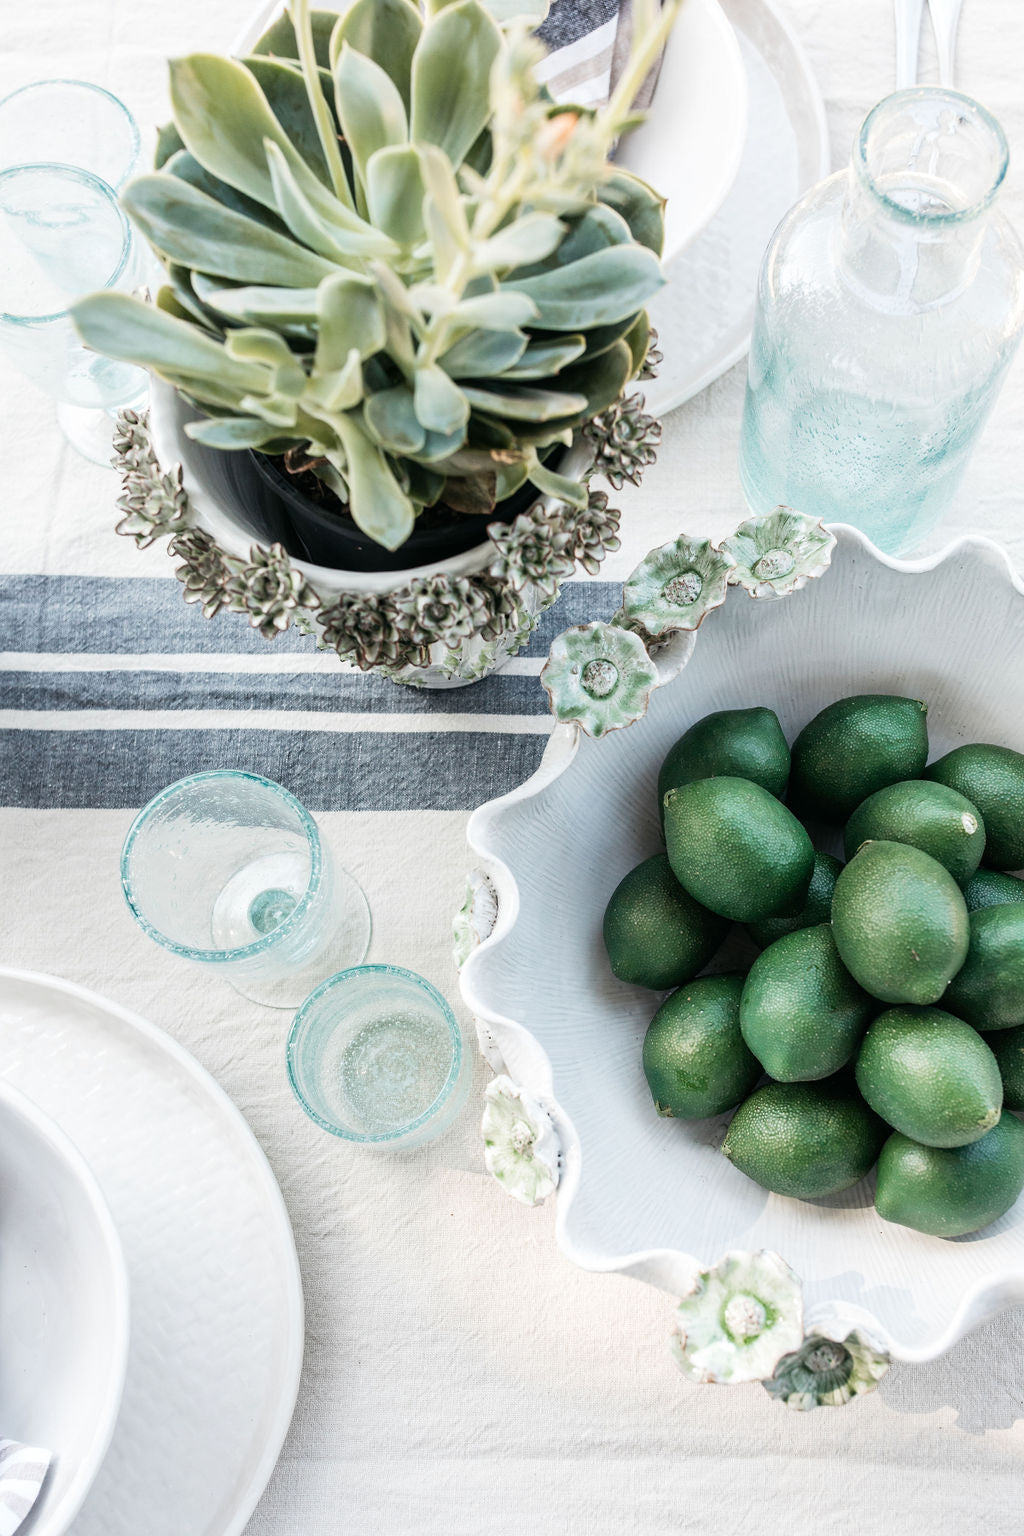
(526, 240)
(596, 290)
(451, 69)
(390, 416)
(370, 109)
(279, 38)
(191, 228)
(543, 358)
(379, 505)
(640, 206)
(395, 191)
(440, 404)
(287, 97)
(122, 326)
(350, 315)
(482, 354)
(387, 32)
(522, 402)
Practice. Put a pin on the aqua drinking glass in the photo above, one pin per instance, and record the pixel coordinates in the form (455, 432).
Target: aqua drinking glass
(890, 304)
(69, 122)
(375, 1056)
(62, 234)
(229, 870)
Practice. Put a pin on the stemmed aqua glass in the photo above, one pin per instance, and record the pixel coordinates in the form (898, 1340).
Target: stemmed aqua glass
(63, 234)
(228, 870)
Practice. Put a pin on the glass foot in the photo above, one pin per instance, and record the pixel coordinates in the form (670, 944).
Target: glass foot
(347, 947)
(90, 431)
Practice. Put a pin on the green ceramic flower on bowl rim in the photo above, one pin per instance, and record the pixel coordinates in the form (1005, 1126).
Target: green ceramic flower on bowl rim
(676, 585)
(520, 1143)
(598, 676)
(778, 553)
(739, 1318)
(826, 1373)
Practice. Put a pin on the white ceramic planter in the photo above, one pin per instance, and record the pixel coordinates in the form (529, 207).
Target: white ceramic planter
(654, 1198)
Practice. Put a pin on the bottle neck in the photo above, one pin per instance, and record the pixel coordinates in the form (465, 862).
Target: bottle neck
(905, 264)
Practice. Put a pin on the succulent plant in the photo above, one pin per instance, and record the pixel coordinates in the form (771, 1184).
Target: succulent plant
(826, 1373)
(778, 553)
(520, 1144)
(598, 676)
(390, 257)
(738, 1319)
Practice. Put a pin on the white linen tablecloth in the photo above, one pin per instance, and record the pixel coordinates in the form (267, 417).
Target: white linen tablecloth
(461, 1376)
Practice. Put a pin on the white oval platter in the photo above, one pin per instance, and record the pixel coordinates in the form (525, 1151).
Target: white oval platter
(654, 1198)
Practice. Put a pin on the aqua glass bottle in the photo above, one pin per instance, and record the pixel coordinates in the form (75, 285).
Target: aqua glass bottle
(890, 305)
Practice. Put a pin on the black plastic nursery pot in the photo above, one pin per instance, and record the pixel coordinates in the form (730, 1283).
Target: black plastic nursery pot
(325, 535)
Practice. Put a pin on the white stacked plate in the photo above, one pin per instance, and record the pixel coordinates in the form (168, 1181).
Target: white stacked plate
(216, 1341)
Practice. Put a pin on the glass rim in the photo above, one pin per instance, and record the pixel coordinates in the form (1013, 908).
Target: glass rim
(284, 929)
(98, 90)
(301, 1024)
(76, 173)
(962, 102)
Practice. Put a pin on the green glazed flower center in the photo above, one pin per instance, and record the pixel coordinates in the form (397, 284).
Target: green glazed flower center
(522, 1138)
(773, 564)
(828, 1358)
(745, 1317)
(600, 677)
(684, 589)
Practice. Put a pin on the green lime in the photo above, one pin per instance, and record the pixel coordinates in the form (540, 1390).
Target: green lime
(900, 923)
(695, 1059)
(802, 1013)
(989, 990)
(655, 933)
(930, 1076)
(734, 743)
(737, 849)
(991, 888)
(947, 1191)
(931, 817)
(816, 909)
(805, 1139)
(1008, 1049)
(992, 778)
(853, 748)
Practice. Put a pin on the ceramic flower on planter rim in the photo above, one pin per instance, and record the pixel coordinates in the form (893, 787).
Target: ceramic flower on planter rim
(598, 676)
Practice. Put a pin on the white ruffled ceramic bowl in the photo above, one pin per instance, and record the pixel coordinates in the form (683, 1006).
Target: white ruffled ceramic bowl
(64, 1308)
(654, 1198)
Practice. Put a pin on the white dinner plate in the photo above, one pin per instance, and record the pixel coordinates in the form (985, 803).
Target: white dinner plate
(705, 312)
(217, 1317)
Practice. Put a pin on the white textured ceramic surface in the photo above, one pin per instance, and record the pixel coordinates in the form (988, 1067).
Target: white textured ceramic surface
(217, 1334)
(704, 313)
(652, 1197)
(64, 1308)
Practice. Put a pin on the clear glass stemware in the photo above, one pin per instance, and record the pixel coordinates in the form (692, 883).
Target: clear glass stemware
(69, 122)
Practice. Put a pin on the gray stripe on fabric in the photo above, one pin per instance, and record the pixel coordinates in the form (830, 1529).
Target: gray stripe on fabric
(332, 692)
(569, 20)
(357, 771)
(145, 614)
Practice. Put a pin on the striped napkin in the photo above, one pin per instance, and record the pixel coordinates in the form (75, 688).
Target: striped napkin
(588, 43)
(23, 1469)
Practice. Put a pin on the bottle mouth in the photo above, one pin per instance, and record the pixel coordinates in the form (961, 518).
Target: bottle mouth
(931, 156)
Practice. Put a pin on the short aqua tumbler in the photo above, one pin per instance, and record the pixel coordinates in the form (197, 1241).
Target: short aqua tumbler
(375, 1056)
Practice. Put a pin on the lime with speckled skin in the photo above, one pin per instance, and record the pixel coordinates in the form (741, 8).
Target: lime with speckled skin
(802, 1013)
(931, 817)
(992, 778)
(816, 909)
(655, 933)
(988, 991)
(992, 888)
(948, 1191)
(732, 743)
(930, 1076)
(853, 748)
(805, 1139)
(900, 923)
(1008, 1050)
(737, 849)
(695, 1058)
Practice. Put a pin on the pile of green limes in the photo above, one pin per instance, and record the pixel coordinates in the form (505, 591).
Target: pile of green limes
(887, 1004)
